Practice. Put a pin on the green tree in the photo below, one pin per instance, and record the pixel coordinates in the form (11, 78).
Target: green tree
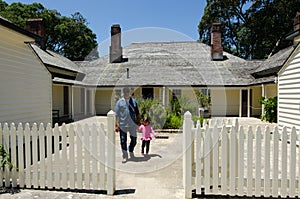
(251, 29)
(2, 5)
(69, 36)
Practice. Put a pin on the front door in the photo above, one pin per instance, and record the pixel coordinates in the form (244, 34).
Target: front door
(147, 93)
(245, 103)
(66, 100)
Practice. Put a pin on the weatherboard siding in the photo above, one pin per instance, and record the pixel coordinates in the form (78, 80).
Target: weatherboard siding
(104, 101)
(58, 98)
(289, 93)
(256, 106)
(225, 102)
(78, 100)
(232, 102)
(25, 83)
(271, 90)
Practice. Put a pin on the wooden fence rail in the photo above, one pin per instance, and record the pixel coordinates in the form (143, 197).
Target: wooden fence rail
(240, 161)
(67, 157)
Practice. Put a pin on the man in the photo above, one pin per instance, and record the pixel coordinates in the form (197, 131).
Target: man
(127, 115)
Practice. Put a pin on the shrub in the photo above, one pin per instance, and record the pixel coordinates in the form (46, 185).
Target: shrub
(195, 118)
(270, 113)
(5, 158)
(153, 109)
(181, 105)
(173, 122)
(158, 116)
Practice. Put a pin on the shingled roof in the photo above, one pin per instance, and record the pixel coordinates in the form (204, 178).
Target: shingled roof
(53, 59)
(169, 64)
(272, 65)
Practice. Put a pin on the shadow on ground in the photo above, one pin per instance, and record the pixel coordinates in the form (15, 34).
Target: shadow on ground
(144, 158)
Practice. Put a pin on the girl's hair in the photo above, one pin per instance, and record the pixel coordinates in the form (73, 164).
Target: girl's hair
(147, 119)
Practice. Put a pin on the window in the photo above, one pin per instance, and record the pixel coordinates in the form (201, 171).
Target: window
(205, 91)
(118, 93)
(147, 93)
(176, 93)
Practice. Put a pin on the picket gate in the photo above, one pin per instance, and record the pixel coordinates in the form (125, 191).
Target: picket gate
(239, 161)
(73, 156)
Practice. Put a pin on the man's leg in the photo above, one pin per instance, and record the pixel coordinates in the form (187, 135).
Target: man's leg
(132, 143)
(123, 142)
(133, 136)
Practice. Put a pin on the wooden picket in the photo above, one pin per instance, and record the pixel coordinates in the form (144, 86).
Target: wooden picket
(238, 161)
(67, 157)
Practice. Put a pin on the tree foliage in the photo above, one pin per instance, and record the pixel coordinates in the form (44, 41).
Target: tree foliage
(69, 36)
(251, 29)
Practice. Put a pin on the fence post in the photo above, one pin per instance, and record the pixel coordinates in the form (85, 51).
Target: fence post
(187, 154)
(111, 171)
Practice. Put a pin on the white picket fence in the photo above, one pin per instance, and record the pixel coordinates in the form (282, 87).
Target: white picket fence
(76, 157)
(240, 162)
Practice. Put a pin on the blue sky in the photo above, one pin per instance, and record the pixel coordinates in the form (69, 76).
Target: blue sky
(145, 20)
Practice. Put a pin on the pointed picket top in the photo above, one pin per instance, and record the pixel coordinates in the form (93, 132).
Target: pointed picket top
(188, 114)
(284, 130)
(49, 127)
(205, 123)
(27, 127)
(5, 127)
(198, 123)
(34, 127)
(20, 127)
(250, 133)
(55, 129)
(41, 127)
(111, 113)
(241, 132)
(267, 128)
(71, 127)
(64, 127)
(258, 129)
(12, 126)
(293, 129)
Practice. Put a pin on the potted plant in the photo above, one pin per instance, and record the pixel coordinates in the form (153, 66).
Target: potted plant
(204, 102)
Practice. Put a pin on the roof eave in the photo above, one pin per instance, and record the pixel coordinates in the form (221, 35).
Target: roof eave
(292, 35)
(16, 28)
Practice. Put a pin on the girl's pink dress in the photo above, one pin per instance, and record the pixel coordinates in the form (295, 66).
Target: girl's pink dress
(146, 131)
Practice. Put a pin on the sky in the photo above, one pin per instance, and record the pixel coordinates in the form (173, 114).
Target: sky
(140, 20)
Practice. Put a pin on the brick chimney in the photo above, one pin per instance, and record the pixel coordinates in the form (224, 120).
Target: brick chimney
(297, 21)
(115, 55)
(216, 42)
(37, 26)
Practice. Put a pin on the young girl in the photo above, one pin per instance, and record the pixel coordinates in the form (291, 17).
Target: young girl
(146, 130)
